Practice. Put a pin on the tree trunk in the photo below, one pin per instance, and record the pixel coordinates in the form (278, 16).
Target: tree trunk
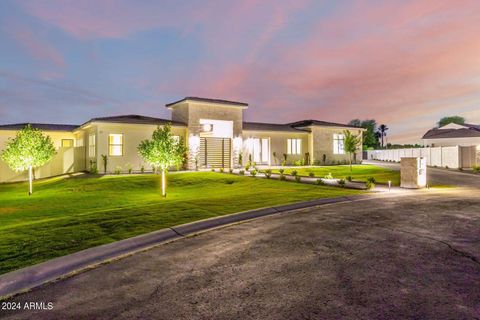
(164, 183)
(30, 177)
(350, 157)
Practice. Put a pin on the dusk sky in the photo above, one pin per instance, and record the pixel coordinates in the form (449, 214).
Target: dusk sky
(403, 63)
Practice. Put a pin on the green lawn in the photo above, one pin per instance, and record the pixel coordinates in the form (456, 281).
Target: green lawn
(359, 172)
(65, 215)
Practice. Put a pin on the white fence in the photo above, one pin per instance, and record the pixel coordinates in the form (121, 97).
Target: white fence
(451, 157)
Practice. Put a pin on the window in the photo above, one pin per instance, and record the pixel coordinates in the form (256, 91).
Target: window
(91, 145)
(294, 146)
(115, 144)
(67, 143)
(338, 141)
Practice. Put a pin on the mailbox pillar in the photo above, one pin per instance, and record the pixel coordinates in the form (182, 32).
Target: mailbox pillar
(413, 172)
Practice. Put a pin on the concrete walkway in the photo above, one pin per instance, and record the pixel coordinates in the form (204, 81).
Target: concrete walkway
(403, 257)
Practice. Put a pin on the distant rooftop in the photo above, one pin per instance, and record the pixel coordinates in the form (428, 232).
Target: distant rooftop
(259, 126)
(220, 101)
(41, 126)
(468, 131)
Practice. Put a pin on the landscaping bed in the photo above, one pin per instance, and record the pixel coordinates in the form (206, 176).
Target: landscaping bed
(66, 215)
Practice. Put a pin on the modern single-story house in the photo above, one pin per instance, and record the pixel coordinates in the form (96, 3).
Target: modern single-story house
(453, 134)
(213, 130)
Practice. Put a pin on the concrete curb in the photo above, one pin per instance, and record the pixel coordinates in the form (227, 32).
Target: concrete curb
(30, 277)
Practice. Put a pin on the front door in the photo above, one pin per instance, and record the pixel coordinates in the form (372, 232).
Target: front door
(261, 150)
(215, 152)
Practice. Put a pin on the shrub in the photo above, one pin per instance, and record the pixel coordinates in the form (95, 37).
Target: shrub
(329, 176)
(281, 171)
(446, 167)
(240, 160)
(320, 182)
(476, 169)
(105, 163)
(247, 166)
(294, 173)
(371, 179)
(222, 170)
(242, 172)
(317, 163)
(213, 169)
(284, 163)
(253, 172)
(129, 168)
(369, 185)
(311, 174)
(93, 167)
(349, 178)
(282, 177)
(268, 173)
(142, 169)
(230, 170)
(118, 169)
(298, 178)
(341, 183)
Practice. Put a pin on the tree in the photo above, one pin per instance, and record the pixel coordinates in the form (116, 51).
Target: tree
(452, 119)
(28, 150)
(382, 132)
(351, 144)
(163, 151)
(369, 138)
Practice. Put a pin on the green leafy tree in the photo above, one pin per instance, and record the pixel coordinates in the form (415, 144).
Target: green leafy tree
(163, 151)
(28, 150)
(452, 119)
(351, 144)
(369, 138)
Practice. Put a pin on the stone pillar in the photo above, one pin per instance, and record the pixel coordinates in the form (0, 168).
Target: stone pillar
(413, 172)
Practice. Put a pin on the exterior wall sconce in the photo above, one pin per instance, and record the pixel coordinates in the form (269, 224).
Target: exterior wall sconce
(207, 127)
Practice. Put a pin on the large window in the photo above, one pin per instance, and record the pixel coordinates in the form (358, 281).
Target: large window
(91, 145)
(67, 143)
(294, 146)
(115, 144)
(338, 144)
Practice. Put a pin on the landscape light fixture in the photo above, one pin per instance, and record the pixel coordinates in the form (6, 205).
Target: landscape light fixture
(207, 127)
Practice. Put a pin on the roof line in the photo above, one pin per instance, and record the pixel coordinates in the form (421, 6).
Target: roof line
(209, 100)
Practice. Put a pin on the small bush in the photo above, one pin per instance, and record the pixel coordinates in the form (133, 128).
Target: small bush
(476, 169)
(281, 171)
(284, 163)
(311, 174)
(371, 179)
(349, 178)
(268, 173)
(142, 169)
(298, 178)
(282, 177)
(213, 170)
(294, 173)
(320, 182)
(222, 170)
(253, 172)
(230, 170)
(369, 185)
(242, 172)
(446, 167)
(247, 167)
(341, 183)
(329, 176)
(118, 169)
(129, 167)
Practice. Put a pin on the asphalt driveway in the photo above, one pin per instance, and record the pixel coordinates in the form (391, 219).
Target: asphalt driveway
(407, 257)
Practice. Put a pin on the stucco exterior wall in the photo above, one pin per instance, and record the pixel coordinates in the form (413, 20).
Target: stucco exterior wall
(322, 144)
(278, 144)
(191, 112)
(64, 160)
(133, 134)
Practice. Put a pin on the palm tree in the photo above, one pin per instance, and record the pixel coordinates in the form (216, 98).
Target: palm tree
(382, 132)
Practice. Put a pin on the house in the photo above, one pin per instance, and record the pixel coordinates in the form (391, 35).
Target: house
(213, 130)
(453, 134)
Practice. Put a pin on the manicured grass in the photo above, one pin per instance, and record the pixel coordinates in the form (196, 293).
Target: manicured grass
(359, 172)
(65, 215)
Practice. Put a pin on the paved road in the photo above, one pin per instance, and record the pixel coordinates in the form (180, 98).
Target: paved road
(439, 176)
(405, 257)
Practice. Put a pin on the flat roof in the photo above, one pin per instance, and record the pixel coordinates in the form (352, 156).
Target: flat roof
(208, 100)
(134, 119)
(261, 126)
(41, 126)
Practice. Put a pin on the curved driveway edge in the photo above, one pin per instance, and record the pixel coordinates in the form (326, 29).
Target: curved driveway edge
(30, 277)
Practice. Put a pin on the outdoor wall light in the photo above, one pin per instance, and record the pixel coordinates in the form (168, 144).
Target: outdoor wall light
(207, 127)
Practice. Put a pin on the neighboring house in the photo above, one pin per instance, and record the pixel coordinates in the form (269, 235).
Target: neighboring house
(213, 130)
(453, 134)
